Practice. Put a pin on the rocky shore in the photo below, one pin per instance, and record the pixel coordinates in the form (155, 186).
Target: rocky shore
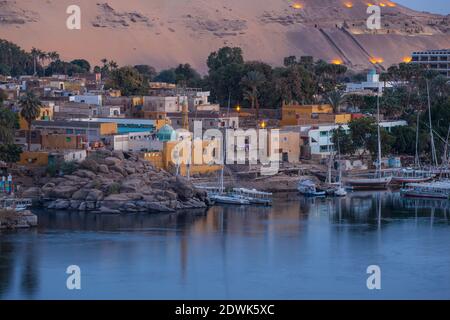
(117, 182)
(10, 219)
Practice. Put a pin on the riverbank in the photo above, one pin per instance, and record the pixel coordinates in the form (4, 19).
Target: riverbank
(115, 182)
(10, 219)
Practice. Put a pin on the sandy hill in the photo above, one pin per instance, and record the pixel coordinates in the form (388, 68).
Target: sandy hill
(166, 32)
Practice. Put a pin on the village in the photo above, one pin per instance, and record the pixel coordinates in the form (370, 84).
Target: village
(82, 146)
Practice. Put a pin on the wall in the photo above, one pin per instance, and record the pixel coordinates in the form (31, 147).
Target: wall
(108, 128)
(33, 158)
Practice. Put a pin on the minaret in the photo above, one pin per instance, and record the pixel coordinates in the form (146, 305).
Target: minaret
(185, 116)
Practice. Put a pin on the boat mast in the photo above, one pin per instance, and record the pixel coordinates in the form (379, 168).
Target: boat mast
(433, 147)
(379, 134)
(417, 158)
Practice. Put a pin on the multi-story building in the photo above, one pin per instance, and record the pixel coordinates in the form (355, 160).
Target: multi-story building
(438, 60)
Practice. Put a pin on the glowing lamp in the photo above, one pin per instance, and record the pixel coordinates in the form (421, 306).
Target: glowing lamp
(407, 59)
(348, 5)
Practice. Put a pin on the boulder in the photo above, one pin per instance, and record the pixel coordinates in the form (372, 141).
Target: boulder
(94, 195)
(32, 193)
(80, 194)
(119, 169)
(112, 161)
(85, 174)
(75, 204)
(64, 192)
(103, 168)
(118, 154)
(183, 188)
(60, 205)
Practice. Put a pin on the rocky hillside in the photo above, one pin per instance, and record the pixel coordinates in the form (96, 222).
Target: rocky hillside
(166, 32)
(108, 182)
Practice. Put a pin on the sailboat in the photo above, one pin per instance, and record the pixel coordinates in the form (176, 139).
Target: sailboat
(377, 181)
(340, 191)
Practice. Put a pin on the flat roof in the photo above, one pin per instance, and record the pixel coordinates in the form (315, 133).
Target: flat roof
(119, 121)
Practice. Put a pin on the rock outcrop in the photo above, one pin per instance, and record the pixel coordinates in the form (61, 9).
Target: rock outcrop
(108, 182)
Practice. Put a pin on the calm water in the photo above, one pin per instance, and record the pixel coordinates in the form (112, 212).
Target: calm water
(298, 249)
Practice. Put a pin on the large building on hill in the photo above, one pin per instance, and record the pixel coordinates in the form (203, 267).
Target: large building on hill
(438, 60)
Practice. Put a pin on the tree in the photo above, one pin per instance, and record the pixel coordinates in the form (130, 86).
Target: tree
(10, 153)
(83, 64)
(147, 72)
(167, 76)
(8, 122)
(336, 98)
(36, 53)
(364, 136)
(128, 80)
(3, 97)
(30, 110)
(225, 57)
(186, 76)
(252, 80)
(344, 140)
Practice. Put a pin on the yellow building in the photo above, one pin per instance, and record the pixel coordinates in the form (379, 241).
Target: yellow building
(33, 158)
(164, 160)
(293, 115)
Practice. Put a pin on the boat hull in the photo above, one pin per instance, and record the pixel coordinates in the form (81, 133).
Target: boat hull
(369, 183)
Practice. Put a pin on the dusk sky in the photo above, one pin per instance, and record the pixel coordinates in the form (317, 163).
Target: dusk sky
(437, 6)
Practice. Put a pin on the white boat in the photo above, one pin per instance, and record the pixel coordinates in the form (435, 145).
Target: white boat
(309, 189)
(253, 196)
(437, 190)
(226, 199)
(18, 205)
(340, 192)
(409, 175)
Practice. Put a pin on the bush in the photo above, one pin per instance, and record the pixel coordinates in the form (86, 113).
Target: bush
(114, 188)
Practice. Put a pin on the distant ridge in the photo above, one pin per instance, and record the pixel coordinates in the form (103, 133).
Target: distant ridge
(164, 33)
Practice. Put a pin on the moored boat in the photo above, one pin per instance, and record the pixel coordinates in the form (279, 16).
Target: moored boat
(412, 176)
(227, 199)
(436, 190)
(309, 189)
(253, 196)
(369, 182)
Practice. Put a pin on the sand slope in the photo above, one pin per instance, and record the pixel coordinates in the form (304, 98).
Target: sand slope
(166, 32)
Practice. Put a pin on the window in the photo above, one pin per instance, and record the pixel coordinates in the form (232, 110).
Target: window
(324, 133)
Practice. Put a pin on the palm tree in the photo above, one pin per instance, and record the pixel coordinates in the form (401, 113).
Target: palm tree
(43, 56)
(336, 98)
(252, 81)
(30, 110)
(35, 53)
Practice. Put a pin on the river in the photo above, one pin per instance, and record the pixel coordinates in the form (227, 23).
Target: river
(298, 249)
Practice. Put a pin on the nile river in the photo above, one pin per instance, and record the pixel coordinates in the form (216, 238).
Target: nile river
(298, 249)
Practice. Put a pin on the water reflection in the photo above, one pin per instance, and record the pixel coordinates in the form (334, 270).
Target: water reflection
(299, 248)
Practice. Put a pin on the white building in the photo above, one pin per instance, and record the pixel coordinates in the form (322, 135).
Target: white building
(136, 142)
(372, 84)
(74, 155)
(87, 99)
(319, 138)
(109, 111)
(164, 103)
(198, 101)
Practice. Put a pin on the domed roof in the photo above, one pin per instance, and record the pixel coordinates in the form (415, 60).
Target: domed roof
(166, 133)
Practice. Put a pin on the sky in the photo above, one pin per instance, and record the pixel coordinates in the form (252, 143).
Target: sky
(435, 6)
